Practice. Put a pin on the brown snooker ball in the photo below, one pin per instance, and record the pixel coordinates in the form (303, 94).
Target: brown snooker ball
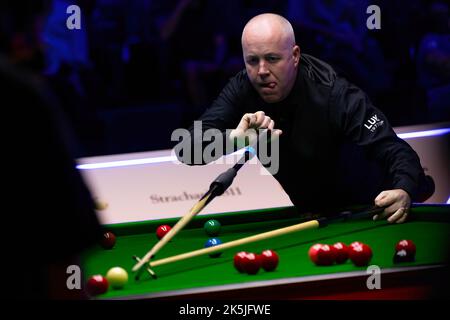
(108, 240)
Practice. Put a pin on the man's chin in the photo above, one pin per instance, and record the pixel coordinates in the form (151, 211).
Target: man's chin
(271, 98)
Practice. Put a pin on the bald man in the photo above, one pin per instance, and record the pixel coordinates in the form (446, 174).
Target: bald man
(336, 148)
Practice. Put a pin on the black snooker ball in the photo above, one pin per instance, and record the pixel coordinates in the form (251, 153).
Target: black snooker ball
(403, 256)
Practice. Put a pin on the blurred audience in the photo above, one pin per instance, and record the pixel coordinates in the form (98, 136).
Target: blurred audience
(68, 68)
(336, 32)
(150, 53)
(196, 54)
(433, 61)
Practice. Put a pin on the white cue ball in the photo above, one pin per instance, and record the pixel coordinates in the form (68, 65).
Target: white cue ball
(117, 277)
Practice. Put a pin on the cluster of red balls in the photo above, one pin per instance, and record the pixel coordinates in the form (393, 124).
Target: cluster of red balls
(250, 263)
(325, 255)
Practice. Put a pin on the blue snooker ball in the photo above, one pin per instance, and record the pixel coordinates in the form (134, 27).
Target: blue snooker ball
(211, 243)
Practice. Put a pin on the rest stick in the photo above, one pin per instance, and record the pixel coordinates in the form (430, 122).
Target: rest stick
(150, 271)
(217, 188)
(262, 236)
(180, 224)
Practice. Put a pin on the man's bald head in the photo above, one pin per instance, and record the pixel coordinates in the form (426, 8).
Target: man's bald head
(271, 56)
(269, 27)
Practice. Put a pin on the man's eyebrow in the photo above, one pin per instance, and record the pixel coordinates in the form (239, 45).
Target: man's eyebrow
(252, 55)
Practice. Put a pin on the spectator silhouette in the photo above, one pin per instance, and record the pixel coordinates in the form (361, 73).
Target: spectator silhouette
(52, 219)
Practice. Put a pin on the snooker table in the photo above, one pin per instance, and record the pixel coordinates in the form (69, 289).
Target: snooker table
(296, 277)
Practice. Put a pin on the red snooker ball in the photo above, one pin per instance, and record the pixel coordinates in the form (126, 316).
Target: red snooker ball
(238, 261)
(406, 245)
(360, 254)
(341, 252)
(97, 285)
(312, 253)
(108, 240)
(322, 254)
(162, 231)
(251, 263)
(269, 260)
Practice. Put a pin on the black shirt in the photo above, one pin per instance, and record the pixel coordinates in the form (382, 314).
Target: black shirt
(336, 149)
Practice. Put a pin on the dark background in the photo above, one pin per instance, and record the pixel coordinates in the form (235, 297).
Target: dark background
(139, 69)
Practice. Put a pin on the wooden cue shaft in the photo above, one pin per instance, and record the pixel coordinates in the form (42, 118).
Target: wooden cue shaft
(262, 236)
(178, 226)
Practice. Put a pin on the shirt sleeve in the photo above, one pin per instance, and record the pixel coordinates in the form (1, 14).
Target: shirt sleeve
(224, 113)
(356, 119)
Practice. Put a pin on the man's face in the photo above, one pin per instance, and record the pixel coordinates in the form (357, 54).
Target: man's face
(271, 65)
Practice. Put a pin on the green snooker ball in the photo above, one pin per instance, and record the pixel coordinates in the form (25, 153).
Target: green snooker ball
(117, 277)
(212, 227)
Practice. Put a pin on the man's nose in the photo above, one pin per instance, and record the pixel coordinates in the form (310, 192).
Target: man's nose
(262, 69)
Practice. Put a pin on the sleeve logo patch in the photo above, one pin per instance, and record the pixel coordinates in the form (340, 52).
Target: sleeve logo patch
(373, 123)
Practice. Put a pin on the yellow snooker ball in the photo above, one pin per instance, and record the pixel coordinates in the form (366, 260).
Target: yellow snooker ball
(100, 204)
(117, 277)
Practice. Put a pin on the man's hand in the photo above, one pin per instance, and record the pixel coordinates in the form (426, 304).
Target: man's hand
(397, 203)
(257, 120)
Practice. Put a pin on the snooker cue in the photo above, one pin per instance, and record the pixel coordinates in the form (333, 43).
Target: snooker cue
(180, 224)
(258, 237)
(217, 188)
(312, 224)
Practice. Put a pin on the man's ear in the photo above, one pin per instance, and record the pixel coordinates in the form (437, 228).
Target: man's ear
(296, 55)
